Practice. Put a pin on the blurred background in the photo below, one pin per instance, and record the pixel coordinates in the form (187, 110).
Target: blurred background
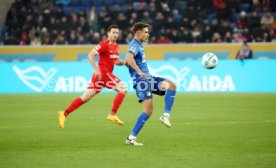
(59, 22)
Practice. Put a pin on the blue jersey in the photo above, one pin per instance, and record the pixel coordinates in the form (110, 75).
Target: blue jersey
(137, 50)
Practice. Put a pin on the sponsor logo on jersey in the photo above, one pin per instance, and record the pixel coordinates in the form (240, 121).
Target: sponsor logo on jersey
(114, 56)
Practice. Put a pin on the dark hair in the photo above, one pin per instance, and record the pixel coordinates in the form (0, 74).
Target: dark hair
(111, 27)
(139, 26)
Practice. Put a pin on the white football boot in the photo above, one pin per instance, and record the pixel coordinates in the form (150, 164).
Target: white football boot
(165, 120)
(133, 142)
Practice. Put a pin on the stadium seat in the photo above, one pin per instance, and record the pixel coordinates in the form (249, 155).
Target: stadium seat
(86, 3)
(244, 7)
(109, 2)
(67, 9)
(124, 8)
(236, 16)
(181, 6)
(80, 8)
(210, 17)
(138, 6)
(261, 14)
(98, 3)
(75, 3)
(99, 9)
(121, 2)
(62, 2)
(177, 18)
(4, 30)
(232, 25)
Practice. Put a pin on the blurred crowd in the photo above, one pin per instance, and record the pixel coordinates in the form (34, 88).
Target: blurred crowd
(47, 22)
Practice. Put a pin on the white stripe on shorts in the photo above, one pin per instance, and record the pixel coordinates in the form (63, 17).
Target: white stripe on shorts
(112, 78)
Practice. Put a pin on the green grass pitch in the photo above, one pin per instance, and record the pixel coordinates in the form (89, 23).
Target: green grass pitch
(210, 130)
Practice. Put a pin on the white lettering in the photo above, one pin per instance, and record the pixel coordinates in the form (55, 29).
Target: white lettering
(208, 83)
(228, 84)
(114, 56)
(205, 83)
(195, 84)
(71, 84)
(80, 84)
(61, 85)
(214, 83)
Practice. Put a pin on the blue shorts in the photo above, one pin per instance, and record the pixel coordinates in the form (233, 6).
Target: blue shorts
(146, 87)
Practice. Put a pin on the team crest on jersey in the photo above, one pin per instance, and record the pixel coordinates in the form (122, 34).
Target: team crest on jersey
(133, 49)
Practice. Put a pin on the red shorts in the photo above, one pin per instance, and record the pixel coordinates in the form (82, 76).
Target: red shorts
(108, 80)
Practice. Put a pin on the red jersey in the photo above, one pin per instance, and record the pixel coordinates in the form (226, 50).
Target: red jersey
(108, 54)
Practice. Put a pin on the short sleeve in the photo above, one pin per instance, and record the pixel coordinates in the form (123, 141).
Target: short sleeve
(100, 48)
(133, 49)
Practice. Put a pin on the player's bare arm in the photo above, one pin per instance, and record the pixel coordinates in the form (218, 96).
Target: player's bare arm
(131, 62)
(119, 62)
(125, 62)
(91, 57)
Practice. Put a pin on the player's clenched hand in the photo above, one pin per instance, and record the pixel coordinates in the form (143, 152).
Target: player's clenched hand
(98, 74)
(142, 74)
(125, 62)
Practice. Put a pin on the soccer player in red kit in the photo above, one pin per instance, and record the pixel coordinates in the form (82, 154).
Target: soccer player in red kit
(108, 51)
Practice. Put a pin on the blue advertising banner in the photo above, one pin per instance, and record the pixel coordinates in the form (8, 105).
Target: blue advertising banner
(190, 76)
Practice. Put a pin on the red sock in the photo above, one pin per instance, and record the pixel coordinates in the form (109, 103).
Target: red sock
(73, 106)
(117, 102)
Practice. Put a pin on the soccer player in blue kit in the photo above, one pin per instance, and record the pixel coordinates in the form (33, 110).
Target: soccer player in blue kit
(145, 84)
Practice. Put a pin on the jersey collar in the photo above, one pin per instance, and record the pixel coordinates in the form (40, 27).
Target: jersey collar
(138, 42)
(109, 42)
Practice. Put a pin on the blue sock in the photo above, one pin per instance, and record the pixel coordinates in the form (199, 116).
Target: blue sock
(143, 117)
(169, 99)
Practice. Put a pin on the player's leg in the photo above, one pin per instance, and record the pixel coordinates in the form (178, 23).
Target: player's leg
(145, 96)
(94, 87)
(141, 120)
(119, 98)
(170, 88)
(121, 92)
(75, 104)
(112, 82)
(87, 95)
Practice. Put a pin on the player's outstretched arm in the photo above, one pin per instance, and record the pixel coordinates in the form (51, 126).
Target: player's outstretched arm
(131, 62)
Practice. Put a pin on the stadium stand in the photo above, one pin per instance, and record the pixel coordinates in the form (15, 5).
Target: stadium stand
(48, 22)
